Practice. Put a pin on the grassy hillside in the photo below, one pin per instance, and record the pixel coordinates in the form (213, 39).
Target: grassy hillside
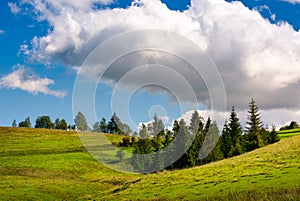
(53, 165)
(289, 133)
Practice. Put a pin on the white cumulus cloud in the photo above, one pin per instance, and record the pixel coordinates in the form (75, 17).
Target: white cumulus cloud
(255, 58)
(23, 79)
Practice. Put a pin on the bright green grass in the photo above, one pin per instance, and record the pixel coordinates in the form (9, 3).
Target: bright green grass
(288, 133)
(39, 164)
(296, 130)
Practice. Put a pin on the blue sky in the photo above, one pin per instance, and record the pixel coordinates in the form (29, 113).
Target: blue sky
(55, 73)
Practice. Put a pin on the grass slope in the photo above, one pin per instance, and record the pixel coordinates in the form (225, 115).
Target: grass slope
(53, 165)
(288, 133)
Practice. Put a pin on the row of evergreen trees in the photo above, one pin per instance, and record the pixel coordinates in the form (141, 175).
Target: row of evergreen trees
(113, 126)
(199, 142)
(43, 122)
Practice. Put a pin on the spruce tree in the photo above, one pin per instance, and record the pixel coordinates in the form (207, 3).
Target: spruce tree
(273, 136)
(181, 144)
(254, 138)
(156, 127)
(14, 123)
(81, 122)
(235, 132)
(171, 142)
(112, 126)
(96, 127)
(211, 150)
(207, 125)
(57, 123)
(103, 126)
(226, 142)
(194, 124)
(63, 124)
(196, 127)
(140, 159)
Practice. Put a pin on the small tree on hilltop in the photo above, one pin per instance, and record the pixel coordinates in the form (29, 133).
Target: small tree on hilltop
(293, 125)
(112, 126)
(26, 123)
(80, 122)
(57, 123)
(272, 136)
(103, 125)
(44, 122)
(14, 123)
(63, 124)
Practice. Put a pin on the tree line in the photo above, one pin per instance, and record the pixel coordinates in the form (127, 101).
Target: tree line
(44, 122)
(292, 125)
(113, 126)
(196, 138)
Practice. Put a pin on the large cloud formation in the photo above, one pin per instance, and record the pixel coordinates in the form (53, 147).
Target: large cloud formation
(254, 57)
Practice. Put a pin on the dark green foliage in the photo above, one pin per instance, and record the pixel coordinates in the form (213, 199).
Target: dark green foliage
(125, 142)
(207, 125)
(63, 125)
(140, 159)
(112, 126)
(226, 142)
(272, 136)
(175, 128)
(211, 150)
(45, 122)
(156, 127)
(157, 157)
(80, 122)
(199, 143)
(196, 128)
(254, 138)
(231, 139)
(132, 140)
(14, 123)
(292, 125)
(103, 126)
(57, 123)
(181, 144)
(168, 138)
(60, 124)
(193, 151)
(115, 126)
(26, 123)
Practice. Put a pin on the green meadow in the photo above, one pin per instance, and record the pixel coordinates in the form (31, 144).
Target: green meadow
(41, 164)
(288, 133)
